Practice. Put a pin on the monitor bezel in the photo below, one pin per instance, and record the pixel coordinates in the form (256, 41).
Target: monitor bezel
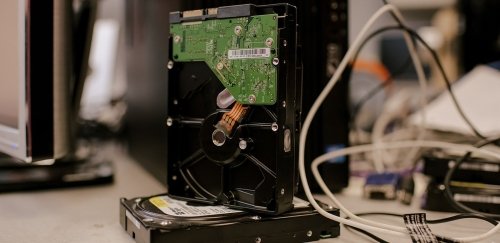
(13, 141)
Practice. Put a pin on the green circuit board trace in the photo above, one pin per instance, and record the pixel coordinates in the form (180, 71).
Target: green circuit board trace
(242, 52)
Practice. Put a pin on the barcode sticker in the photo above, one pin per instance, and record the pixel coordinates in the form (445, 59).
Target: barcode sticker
(249, 53)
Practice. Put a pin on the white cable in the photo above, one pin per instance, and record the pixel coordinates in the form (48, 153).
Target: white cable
(394, 145)
(375, 227)
(481, 237)
(378, 159)
(379, 127)
(314, 109)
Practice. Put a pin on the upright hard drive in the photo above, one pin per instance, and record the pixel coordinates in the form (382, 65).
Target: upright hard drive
(234, 106)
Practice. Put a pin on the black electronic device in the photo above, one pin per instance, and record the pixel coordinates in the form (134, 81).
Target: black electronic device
(479, 33)
(323, 38)
(159, 219)
(475, 183)
(242, 152)
(478, 196)
(61, 174)
(231, 163)
(479, 170)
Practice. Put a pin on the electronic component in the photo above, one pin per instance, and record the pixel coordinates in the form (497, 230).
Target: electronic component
(437, 164)
(381, 186)
(161, 218)
(234, 106)
(479, 196)
(406, 189)
(242, 51)
(475, 183)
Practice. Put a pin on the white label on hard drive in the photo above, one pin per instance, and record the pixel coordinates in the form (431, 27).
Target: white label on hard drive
(180, 208)
(132, 219)
(249, 53)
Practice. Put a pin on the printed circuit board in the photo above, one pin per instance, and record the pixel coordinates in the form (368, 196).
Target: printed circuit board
(242, 52)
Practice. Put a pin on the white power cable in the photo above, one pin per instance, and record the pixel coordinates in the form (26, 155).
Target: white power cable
(367, 225)
(307, 123)
(378, 159)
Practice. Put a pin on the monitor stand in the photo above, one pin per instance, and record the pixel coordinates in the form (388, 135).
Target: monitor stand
(16, 175)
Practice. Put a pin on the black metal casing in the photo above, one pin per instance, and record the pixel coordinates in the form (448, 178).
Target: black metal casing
(261, 178)
(146, 224)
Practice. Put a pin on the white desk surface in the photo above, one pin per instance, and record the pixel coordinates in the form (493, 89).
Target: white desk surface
(91, 214)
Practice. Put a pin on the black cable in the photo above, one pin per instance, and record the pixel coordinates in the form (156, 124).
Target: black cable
(441, 220)
(364, 232)
(371, 36)
(434, 54)
(447, 181)
(463, 216)
(429, 221)
(474, 214)
(441, 70)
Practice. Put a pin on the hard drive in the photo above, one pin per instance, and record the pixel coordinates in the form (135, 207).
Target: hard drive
(162, 218)
(234, 107)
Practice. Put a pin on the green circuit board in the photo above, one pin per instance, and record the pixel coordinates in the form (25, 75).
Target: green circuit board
(242, 52)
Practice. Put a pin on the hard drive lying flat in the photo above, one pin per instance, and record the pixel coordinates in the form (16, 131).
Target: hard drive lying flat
(162, 218)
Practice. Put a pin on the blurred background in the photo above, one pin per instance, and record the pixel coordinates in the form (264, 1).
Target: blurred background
(125, 91)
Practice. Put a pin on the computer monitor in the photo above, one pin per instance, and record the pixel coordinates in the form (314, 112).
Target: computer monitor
(44, 56)
(12, 70)
(33, 117)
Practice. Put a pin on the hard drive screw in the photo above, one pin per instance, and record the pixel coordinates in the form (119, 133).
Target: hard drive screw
(282, 191)
(175, 102)
(237, 30)
(174, 178)
(170, 64)
(165, 223)
(309, 233)
(243, 144)
(274, 127)
(276, 61)
(220, 66)
(169, 122)
(218, 138)
(269, 42)
(252, 99)
(177, 39)
(258, 240)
